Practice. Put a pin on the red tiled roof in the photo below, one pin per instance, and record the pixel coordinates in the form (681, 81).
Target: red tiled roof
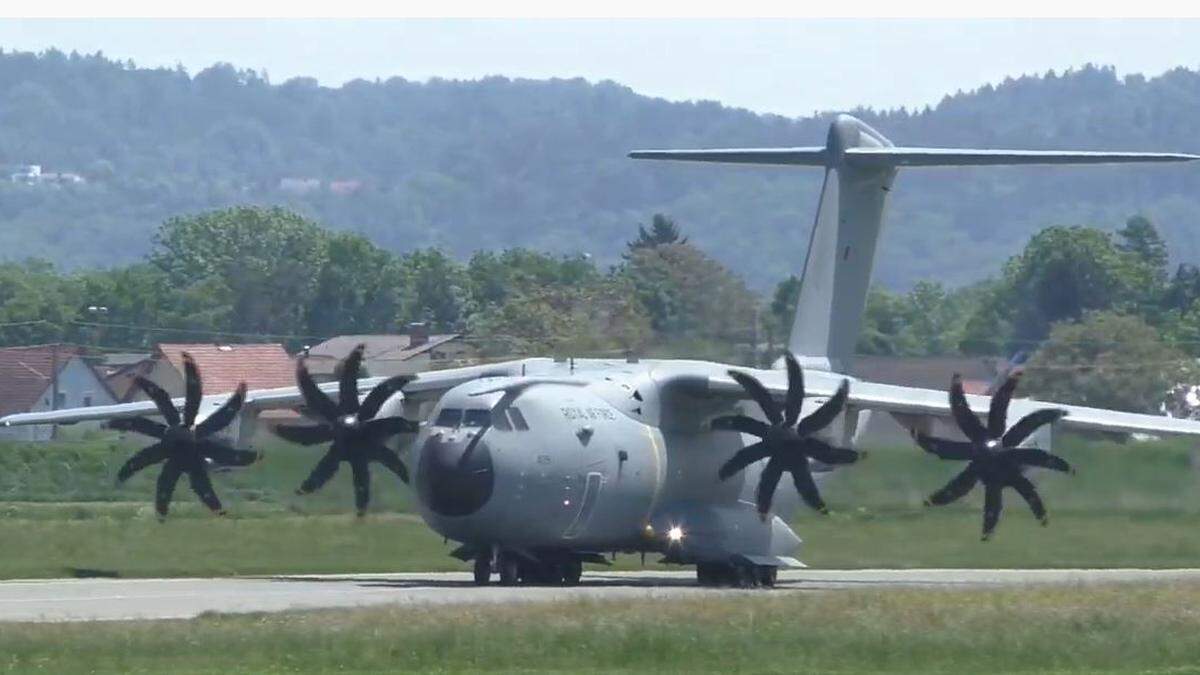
(25, 374)
(260, 366)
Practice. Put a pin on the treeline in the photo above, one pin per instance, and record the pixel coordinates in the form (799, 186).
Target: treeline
(484, 165)
(1100, 318)
(251, 273)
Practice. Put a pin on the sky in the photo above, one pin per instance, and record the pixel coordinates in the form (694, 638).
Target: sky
(785, 66)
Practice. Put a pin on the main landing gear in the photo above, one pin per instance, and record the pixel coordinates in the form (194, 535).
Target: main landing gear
(514, 569)
(736, 576)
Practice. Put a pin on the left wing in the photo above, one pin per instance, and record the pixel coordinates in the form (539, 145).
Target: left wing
(430, 384)
(932, 402)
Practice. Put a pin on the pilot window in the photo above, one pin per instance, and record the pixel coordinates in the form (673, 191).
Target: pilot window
(518, 420)
(478, 417)
(449, 417)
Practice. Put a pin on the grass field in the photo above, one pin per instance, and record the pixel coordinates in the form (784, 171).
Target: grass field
(1133, 505)
(1115, 629)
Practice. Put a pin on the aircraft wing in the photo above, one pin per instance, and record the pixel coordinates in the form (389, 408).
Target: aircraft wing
(425, 385)
(933, 402)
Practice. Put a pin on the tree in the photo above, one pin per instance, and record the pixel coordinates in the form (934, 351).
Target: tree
(1063, 273)
(360, 288)
(1141, 240)
(782, 311)
(266, 258)
(436, 289)
(689, 296)
(570, 320)
(663, 231)
(1106, 360)
(36, 301)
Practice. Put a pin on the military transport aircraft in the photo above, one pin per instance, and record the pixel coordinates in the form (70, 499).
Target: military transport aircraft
(538, 465)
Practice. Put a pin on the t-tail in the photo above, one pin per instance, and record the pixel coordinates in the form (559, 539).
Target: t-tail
(860, 165)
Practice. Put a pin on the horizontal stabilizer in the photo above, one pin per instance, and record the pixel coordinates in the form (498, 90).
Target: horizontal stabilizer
(886, 157)
(794, 156)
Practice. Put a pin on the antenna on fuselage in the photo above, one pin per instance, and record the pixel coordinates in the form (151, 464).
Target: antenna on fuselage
(860, 166)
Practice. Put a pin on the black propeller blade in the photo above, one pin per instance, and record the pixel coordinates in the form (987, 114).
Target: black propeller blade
(355, 435)
(992, 452)
(788, 441)
(183, 446)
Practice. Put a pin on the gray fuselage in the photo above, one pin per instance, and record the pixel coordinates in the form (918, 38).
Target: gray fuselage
(593, 455)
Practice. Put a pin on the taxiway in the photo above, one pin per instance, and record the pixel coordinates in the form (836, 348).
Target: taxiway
(118, 599)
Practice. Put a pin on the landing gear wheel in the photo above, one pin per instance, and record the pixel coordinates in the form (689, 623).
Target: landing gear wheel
(572, 572)
(711, 574)
(536, 573)
(767, 575)
(745, 576)
(510, 570)
(483, 570)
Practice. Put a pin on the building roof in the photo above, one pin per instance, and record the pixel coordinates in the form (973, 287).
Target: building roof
(927, 372)
(120, 380)
(26, 373)
(223, 366)
(325, 356)
(117, 360)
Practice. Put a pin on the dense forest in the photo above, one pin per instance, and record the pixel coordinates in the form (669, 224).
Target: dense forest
(496, 163)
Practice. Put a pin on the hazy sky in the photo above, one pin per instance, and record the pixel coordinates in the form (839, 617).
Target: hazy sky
(784, 66)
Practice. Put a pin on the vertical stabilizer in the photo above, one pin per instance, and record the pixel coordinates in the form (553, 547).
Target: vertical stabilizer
(860, 165)
(841, 250)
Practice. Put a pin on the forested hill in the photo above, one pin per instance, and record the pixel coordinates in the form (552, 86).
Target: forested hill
(499, 162)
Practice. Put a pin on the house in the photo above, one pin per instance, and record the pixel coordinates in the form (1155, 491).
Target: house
(120, 369)
(27, 174)
(222, 367)
(345, 188)
(299, 186)
(32, 174)
(46, 377)
(926, 372)
(387, 355)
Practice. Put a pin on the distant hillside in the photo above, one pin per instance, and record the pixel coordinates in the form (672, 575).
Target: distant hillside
(498, 162)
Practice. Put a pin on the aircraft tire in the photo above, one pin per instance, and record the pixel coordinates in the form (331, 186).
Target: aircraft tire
(767, 575)
(572, 572)
(745, 576)
(510, 570)
(483, 570)
(710, 574)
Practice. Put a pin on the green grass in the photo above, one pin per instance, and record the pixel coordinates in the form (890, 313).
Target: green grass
(1112, 629)
(1133, 505)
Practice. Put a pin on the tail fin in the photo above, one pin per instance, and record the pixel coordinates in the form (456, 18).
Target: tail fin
(860, 165)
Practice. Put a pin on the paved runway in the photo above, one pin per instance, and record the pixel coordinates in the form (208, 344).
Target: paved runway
(114, 599)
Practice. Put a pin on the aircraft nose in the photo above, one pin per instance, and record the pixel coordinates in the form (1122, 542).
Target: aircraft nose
(454, 473)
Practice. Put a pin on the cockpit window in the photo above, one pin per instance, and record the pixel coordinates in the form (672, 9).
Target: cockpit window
(518, 420)
(449, 417)
(476, 417)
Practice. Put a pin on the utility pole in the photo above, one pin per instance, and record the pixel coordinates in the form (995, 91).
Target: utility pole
(754, 347)
(53, 386)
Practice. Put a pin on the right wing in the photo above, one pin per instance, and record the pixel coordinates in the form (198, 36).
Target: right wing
(935, 403)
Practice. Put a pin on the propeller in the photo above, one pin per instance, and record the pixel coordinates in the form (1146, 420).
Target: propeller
(788, 441)
(183, 446)
(351, 428)
(992, 452)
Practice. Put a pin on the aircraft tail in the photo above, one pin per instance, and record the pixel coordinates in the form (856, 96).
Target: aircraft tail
(860, 166)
